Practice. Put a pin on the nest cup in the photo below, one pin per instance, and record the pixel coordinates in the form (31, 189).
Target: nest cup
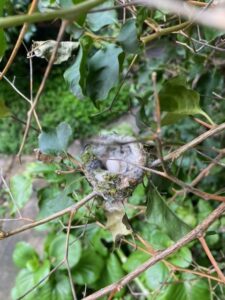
(112, 166)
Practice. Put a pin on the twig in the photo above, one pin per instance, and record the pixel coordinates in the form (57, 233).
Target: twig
(211, 258)
(74, 207)
(10, 194)
(175, 154)
(19, 40)
(158, 122)
(42, 86)
(192, 235)
(67, 255)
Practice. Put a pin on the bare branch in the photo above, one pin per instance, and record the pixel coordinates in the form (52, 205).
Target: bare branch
(192, 235)
(175, 154)
(74, 207)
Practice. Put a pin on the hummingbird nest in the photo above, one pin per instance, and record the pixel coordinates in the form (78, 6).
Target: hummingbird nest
(112, 165)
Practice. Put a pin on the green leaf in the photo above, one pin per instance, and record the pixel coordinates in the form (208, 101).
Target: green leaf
(111, 273)
(58, 247)
(21, 189)
(52, 201)
(156, 275)
(192, 288)
(23, 253)
(76, 74)
(179, 101)
(181, 258)
(159, 213)
(103, 75)
(61, 289)
(96, 21)
(89, 268)
(128, 38)
(55, 142)
(42, 271)
(4, 111)
(134, 260)
(24, 282)
(96, 236)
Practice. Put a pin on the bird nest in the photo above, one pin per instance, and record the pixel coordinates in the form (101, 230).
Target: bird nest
(113, 166)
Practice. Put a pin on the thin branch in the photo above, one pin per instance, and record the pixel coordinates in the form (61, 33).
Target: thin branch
(67, 255)
(56, 215)
(10, 194)
(42, 85)
(192, 235)
(19, 40)
(175, 154)
(211, 258)
(69, 13)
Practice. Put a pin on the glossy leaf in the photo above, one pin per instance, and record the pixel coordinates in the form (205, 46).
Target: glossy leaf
(103, 74)
(181, 258)
(55, 142)
(89, 268)
(134, 260)
(179, 101)
(96, 21)
(192, 288)
(128, 37)
(156, 276)
(23, 253)
(4, 111)
(76, 74)
(159, 213)
(21, 189)
(58, 247)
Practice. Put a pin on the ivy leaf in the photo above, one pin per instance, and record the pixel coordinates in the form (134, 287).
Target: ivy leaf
(76, 74)
(134, 260)
(103, 73)
(98, 20)
(181, 258)
(190, 289)
(57, 250)
(179, 101)
(89, 268)
(23, 253)
(21, 189)
(156, 275)
(159, 213)
(128, 38)
(55, 142)
(4, 111)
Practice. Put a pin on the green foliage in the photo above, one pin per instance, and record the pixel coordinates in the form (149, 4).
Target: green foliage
(158, 212)
(4, 111)
(23, 253)
(103, 75)
(55, 142)
(21, 189)
(179, 101)
(107, 45)
(57, 250)
(128, 37)
(98, 20)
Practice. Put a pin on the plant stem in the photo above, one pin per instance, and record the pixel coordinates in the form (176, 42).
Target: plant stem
(149, 38)
(68, 13)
